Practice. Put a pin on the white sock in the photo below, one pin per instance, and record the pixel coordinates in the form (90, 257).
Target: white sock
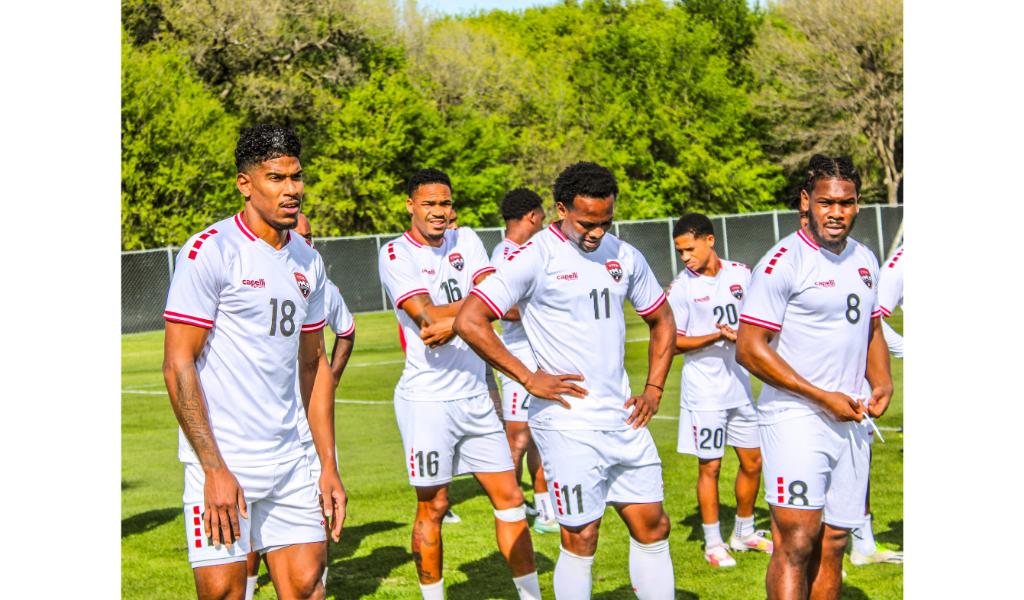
(528, 586)
(744, 526)
(323, 578)
(433, 591)
(543, 502)
(863, 538)
(650, 570)
(572, 576)
(250, 586)
(712, 536)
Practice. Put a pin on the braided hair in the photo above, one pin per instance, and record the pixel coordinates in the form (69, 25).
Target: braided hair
(827, 167)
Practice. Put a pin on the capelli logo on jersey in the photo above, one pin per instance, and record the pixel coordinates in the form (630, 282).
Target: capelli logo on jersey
(831, 283)
(255, 283)
(428, 271)
(456, 259)
(865, 276)
(568, 276)
(303, 283)
(737, 291)
(704, 299)
(614, 269)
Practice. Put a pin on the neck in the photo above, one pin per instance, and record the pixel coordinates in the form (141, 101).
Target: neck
(835, 247)
(713, 267)
(419, 237)
(277, 238)
(518, 233)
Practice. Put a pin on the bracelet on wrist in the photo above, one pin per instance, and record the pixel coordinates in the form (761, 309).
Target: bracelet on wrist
(655, 386)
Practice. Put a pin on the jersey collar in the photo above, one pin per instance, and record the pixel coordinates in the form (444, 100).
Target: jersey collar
(557, 232)
(412, 240)
(807, 239)
(253, 237)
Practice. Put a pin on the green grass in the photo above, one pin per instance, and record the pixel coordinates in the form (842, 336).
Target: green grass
(373, 559)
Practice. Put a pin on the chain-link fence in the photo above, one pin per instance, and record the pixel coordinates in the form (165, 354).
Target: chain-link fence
(352, 261)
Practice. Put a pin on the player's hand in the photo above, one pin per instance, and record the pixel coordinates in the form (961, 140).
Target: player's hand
(439, 333)
(333, 502)
(644, 407)
(224, 499)
(879, 401)
(843, 407)
(551, 387)
(727, 332)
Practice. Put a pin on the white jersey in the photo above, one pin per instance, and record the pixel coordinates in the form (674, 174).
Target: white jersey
(408, 268)
(513, 334)
(890, 284)
(822, 305)
(341, 322)
(712, 379)
(571, 304)
(255, 301)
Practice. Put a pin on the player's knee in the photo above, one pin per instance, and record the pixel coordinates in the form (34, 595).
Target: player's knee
(797, 547)
(305, 581)
(751, 466)
(656, 530)
(581, 541)
(834, 541)
(710, 468)
(435, 508)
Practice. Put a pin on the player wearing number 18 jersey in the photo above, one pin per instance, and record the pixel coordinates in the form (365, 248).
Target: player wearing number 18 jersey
(810, 330)
(570, 283)
(445, 415)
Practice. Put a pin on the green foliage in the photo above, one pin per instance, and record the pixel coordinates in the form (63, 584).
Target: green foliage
(177, 143)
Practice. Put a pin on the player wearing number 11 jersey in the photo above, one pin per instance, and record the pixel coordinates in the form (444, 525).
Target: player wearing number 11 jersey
(810, 330)
(570, 282)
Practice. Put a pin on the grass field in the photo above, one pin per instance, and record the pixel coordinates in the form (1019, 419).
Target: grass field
(373, 559)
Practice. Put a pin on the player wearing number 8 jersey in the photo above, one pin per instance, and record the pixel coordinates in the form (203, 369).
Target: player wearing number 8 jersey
(810, 330)
(445, 415)
(570, 282)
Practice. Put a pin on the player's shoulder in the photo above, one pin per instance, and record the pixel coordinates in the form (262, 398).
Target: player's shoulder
(785, 254)
(680, 283)
(398, 247)
(863, 253)
(896, 260)
(223, 237)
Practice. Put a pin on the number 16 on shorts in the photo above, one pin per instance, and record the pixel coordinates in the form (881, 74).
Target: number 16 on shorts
(423, 463)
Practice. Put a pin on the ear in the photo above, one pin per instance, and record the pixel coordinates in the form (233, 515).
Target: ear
(244, 184)
(562, 210)
(408, 205)
(711, 240)
(805, 201)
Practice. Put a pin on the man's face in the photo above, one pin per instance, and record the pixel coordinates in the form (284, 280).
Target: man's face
(303, 229)
(831, 211)
(430, 208)
(588, 219)
(274, 188)
(695, 251)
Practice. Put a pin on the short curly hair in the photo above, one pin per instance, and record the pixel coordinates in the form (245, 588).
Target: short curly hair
(587, 179)
(519, 202)
(695, 224)
(427, 176)
(265, 142)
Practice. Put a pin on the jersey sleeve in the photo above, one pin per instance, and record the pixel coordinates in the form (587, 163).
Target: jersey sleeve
(677, 302)
(199, 277)
(515, 280)
(399, 275)
(339, 318)
(315, 320)
(644, 291)
(890, 285)
(771, 285)
(476, 257)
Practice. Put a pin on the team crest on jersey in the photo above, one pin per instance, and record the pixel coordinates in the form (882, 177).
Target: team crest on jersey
(303, 283)
(456, 259)
(865, 276)
(737, 291)
(614, 269)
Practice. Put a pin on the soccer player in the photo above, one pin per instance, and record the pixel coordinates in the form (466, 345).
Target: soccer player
(570, 283)
(523, 211)
(810, 330)
(445, 415)
(244, 319)
(716, 404)
(341, 322)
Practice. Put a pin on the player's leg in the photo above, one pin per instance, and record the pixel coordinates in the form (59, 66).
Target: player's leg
(518, 434)
(745, 440)
(220, 582)
(825, 576)
(797, 536)
(297, 570)
(427, 548)
(252, 571)
(545, 521)
(573, 578)
(864, 550)
(708, 431)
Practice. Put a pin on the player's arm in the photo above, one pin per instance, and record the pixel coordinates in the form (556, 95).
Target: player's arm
(340, 354)
(689, 343)
(223, 496)
(316, 385)
(441, 330)
(660, 351)
(878, 373)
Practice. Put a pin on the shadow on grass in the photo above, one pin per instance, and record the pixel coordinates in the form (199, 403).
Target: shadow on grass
(359, 577)
(848, 592)
(150, 519)
(489, 577)
(893, 535)
(352, 537)
(726, 517)
(127, 485)
(625, 592)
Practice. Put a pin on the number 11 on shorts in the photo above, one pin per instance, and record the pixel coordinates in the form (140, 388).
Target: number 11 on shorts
(566, 508)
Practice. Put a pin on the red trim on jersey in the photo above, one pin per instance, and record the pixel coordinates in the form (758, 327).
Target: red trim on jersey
(245, 230)
(800, 233)
(187, 319)
(192, 255)
(557, 232)
(490, 303)
(511, 242)
(661, 300)
(412, 240)
(680, 332)
(878, 313)
(348, 331)
(885, 311)
(314, 326)
(487, 269)
(407, 295)
(760, 322)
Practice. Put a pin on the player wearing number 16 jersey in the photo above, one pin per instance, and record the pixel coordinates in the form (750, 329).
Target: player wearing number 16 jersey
(716, 404)
(570, 283)
(810, 330)
(445, 415)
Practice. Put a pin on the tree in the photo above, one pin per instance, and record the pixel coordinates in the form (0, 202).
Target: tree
(831, 81)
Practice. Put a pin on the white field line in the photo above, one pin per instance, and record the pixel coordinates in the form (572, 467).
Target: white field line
(389, 403)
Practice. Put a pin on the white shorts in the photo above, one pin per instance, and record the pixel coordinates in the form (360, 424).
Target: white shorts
(314, 461)
(815, 462)
(284, 509)
(515, 400)
(447, 438)
(585, 470)
(704, 433)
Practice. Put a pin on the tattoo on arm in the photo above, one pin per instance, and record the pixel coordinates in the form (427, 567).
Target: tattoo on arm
(193, 417)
